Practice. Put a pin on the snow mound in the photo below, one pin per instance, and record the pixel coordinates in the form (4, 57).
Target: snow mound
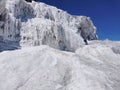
(34, 24)
(103, 56)
(92, 67)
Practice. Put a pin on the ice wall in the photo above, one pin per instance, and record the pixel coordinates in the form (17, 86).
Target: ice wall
(36, 23)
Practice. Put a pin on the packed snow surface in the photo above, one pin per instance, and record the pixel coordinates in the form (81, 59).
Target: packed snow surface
(92, 67)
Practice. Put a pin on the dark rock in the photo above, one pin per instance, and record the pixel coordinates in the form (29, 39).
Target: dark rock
(30, 0)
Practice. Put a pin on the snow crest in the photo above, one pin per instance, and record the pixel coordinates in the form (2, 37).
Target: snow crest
(33, 24)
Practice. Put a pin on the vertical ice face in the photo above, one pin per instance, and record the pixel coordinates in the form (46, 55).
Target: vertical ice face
(33, 23)
(2, 4)
(9, 25)
(2, 18)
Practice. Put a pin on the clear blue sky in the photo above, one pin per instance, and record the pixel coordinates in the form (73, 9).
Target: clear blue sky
(105, 14)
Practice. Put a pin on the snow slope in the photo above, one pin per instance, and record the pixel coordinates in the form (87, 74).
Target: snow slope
(92, 67)
(34, 24)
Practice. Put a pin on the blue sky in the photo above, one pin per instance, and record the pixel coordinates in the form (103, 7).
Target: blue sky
(105, 14)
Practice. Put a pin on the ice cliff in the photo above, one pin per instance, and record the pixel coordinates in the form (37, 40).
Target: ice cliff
(33, 24)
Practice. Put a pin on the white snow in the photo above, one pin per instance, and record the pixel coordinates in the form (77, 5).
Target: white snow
(92, 67)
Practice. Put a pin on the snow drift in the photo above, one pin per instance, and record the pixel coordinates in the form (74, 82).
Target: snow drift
(92, 67)
(33, 24)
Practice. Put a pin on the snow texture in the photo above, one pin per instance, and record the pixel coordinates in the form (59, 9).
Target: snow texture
(92, 67)
(33, 24)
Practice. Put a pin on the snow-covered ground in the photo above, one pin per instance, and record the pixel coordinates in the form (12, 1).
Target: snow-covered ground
(92, 67)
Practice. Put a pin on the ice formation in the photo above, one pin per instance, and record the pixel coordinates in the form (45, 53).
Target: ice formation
(33, 24)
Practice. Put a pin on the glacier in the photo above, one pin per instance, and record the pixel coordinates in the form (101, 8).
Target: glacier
(36, 23)
(41, 48)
